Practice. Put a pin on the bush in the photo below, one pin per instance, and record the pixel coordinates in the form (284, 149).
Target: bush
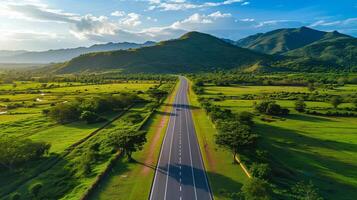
(16, 196)
(91, 117)
(336, 101)
(300, 105)
(245, 118)
(16, 151)
(35, 189)
(257, 189)
(305, 191)
(65, 112)
(271, 108)
(261, 171)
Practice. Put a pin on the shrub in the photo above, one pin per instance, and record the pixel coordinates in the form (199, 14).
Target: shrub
(305, 191)
(16, 196)
(336, 101)
(271, 108)
(261, 171)
(257, 189)
(300, 105)
(91, 117)
(35, 189)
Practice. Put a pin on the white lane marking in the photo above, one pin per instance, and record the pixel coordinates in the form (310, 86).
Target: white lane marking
(200, 155)
(172, 137)
(189, 148)
(162, 148)
(180, 188)
(180, 198)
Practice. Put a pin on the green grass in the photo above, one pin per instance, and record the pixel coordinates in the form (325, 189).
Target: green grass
(238, 90)
(307, 147)
(321, 149)
(224, 176)
(132, 180)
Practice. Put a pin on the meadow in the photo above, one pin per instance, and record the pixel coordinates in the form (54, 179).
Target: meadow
(300, 146)
(22, 106)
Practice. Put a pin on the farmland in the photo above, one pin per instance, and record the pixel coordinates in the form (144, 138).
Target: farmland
(317, 145)
(27, 113)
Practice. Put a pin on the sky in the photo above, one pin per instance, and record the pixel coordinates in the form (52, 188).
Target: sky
(52, 24)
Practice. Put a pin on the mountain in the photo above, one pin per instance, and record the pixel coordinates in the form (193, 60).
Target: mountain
(340, 51)
(192, 52)
(61, 55)
(283, 40)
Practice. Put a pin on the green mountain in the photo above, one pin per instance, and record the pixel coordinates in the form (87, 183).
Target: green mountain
(340, 51)
(283, 40)
(192, 52)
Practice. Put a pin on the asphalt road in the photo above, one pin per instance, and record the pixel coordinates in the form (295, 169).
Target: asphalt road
(180, 174)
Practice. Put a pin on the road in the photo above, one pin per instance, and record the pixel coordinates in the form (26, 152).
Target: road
(180, 173)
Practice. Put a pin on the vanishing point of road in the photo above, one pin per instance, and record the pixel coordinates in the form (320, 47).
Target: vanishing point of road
(180, 173)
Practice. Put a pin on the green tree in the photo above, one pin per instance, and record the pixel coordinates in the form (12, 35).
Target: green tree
(156, 94)
(305, 191)
(234, 136)
(336, 101)
(128, 141)
(257, 189)
(300, 105)
(35, 189)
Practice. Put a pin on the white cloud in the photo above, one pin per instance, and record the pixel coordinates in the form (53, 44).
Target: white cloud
(131, 20)
(118, 13)
(245, 3)
(174, 5)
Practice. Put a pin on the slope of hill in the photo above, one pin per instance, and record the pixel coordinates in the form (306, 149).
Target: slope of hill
(341, 51)
(192, 52)
(282, 40)
(61, 55)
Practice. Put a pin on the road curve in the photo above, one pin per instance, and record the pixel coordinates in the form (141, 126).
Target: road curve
(180, 173)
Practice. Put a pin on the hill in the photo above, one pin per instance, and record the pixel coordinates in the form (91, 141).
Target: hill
(192, 52)
(340, 51)
(283, 40)
(61, 55)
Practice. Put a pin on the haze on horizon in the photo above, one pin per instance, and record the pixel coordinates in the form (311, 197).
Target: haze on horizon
(54, 24)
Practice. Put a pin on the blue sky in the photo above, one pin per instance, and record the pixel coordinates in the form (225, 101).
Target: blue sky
(53, 24)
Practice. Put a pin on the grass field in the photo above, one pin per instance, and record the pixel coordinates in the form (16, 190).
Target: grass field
(302, 146)
(27, 121)
(132, 180)
(224, 176)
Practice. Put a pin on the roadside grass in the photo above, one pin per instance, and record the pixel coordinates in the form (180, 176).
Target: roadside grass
(308, 147)
(224, 176)
(321, 149)
(64, 180)
(133, 180)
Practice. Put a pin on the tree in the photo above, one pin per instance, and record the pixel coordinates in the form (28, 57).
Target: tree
(271, 108)
(35, 189)
(156, 94)
(300, 105)
(65, 112)
(311, 87)
(336, 101)
(260, 170)
(257, 189)
(16, 151)
(128, 141)
(235, 136)
(305, 191)
(245, 118)
(354, 101)
(91, 117)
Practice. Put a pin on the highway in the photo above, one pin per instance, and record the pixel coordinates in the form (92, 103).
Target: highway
(180, 173)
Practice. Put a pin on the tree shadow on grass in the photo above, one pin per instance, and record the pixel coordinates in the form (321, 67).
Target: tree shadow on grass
(54, 174)
(303, 155)
(307, 118)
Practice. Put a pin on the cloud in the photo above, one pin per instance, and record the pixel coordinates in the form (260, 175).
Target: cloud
(245, 3)
(118, 13)
(131, 20)
(175, 5)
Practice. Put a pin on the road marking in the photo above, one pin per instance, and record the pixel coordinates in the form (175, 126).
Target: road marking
(200, 155)
(162, 147)
(172, 138)
(180, 188)
(189, 148)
